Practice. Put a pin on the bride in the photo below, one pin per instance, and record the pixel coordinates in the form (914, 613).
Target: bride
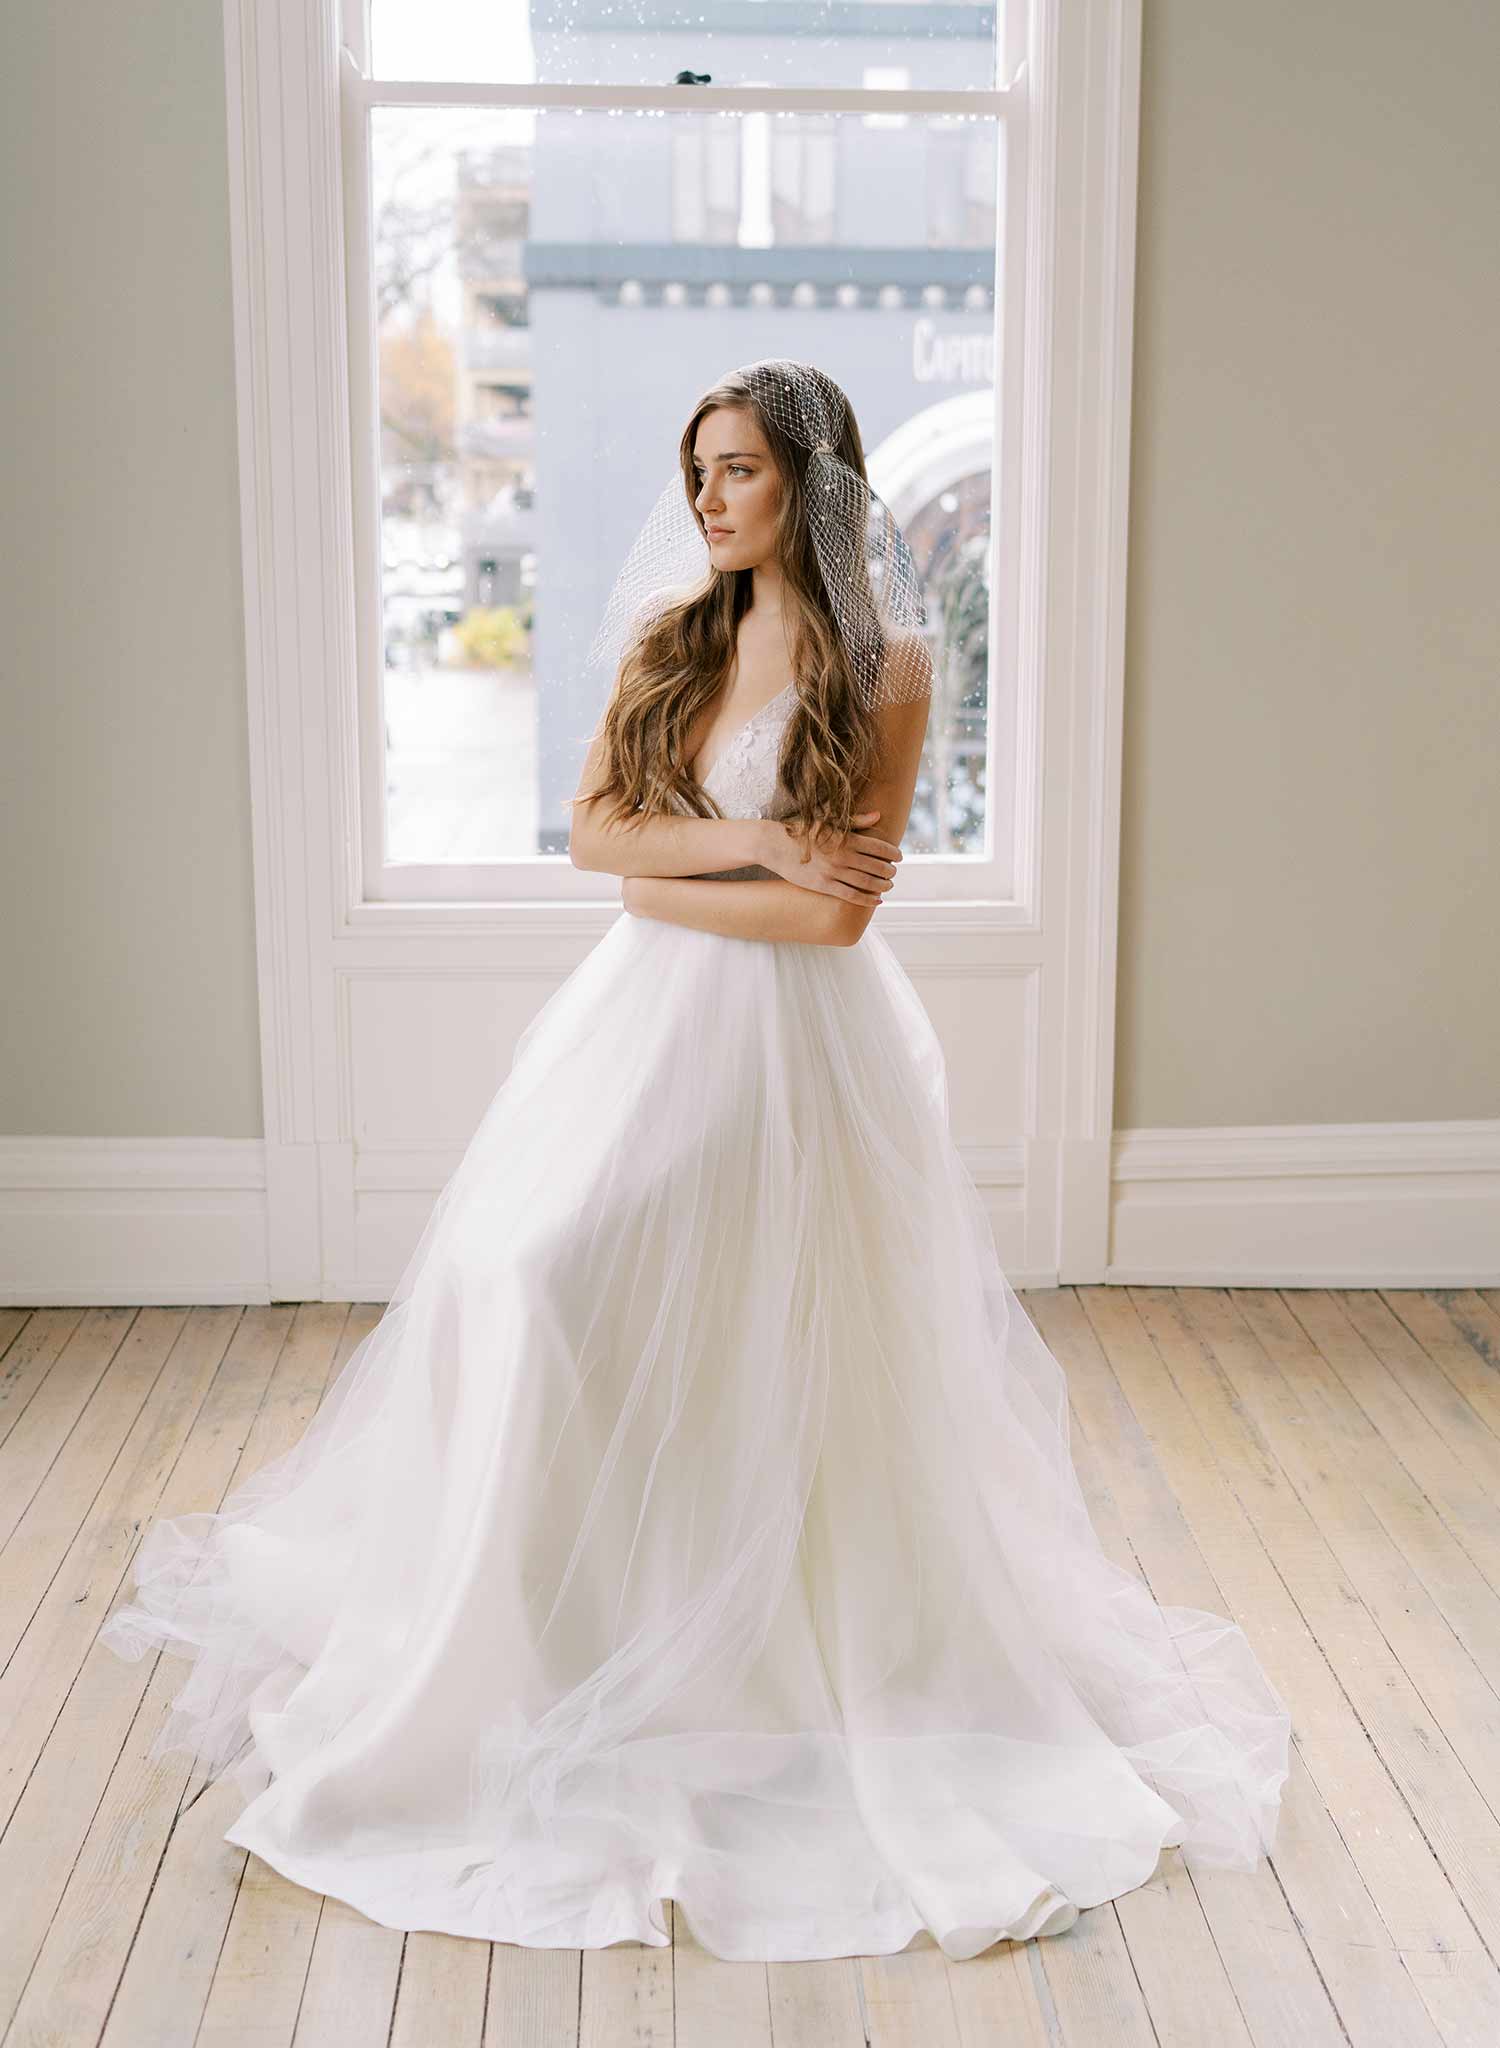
(699, 1520)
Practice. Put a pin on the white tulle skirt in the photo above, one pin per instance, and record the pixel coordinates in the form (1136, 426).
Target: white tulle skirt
(699, 1523)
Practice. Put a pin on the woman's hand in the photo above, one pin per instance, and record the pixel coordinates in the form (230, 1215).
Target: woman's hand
(860, 866)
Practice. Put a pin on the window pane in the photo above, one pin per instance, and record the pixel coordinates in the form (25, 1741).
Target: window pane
(554, 290)
(881, 44)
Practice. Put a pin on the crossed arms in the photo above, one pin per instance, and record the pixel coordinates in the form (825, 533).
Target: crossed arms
(665, 861)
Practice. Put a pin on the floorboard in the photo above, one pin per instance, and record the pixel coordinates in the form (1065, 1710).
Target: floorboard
(1322, 1466)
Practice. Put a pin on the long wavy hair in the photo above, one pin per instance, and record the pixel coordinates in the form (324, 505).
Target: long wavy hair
(676, 666)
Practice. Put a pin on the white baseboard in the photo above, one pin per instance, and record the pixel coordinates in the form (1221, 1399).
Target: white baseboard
(1308, 1205)
(86, 1222)
(126, 1221)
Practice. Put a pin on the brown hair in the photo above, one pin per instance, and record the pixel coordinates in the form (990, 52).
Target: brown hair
(680, 660)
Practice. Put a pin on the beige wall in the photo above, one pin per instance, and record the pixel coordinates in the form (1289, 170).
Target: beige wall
(1310, 876)
(1308, 900)
(125, 888)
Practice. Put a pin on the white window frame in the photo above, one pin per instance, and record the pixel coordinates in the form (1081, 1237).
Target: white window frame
(988, 878)
(1061, 483)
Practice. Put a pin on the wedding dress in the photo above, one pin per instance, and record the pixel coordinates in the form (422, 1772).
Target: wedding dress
(699, 1520)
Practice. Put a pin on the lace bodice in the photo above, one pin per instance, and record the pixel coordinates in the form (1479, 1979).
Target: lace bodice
(744, 781)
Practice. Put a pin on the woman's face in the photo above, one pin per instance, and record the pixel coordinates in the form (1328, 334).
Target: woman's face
(738, 488)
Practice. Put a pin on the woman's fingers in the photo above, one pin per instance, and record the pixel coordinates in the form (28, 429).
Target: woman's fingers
(873, 880)
(870, 864)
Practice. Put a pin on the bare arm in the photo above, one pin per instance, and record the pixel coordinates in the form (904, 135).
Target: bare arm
(903, 727)
(659, 844)
(770, 909)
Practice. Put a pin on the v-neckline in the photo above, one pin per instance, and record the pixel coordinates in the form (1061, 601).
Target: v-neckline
(743, 726)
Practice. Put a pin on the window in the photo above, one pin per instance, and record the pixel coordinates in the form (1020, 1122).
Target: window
(554, 269)
(472, 253)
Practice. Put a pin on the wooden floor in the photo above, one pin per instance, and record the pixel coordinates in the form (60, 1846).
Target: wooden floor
(1324, 1467)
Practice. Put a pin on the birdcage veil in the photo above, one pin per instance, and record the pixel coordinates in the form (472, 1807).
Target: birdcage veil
(869, 576)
